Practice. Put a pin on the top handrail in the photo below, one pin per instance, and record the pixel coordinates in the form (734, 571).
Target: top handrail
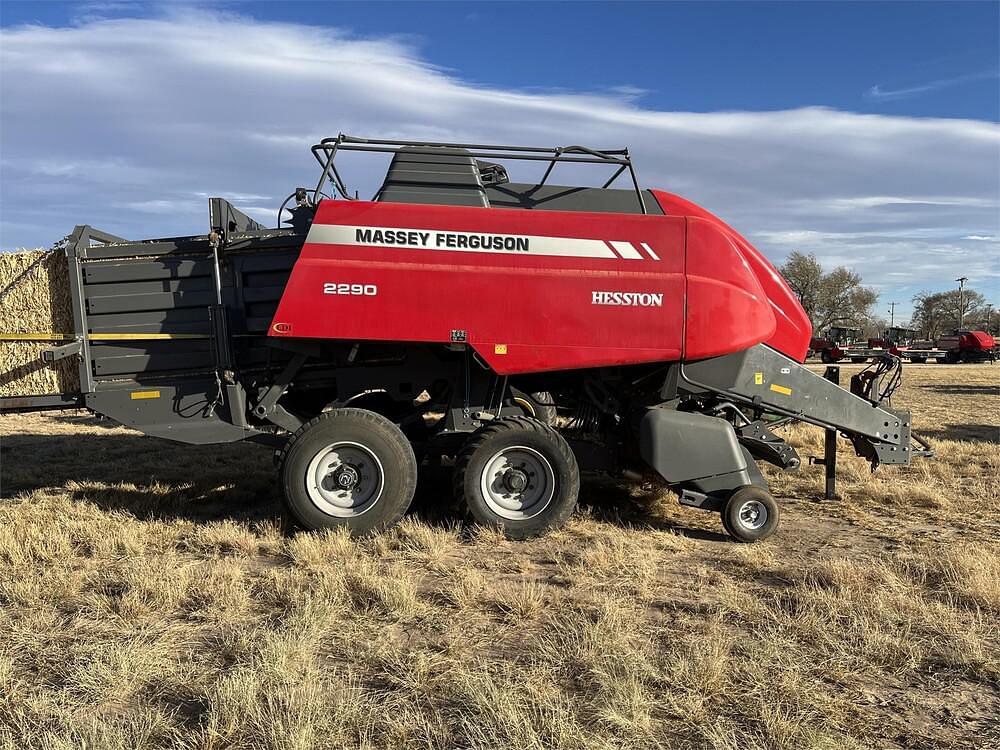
(325, 153)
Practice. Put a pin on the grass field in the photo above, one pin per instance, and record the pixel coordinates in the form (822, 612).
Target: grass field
(152, 595)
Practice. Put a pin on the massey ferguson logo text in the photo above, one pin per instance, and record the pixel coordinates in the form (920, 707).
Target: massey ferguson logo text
(439, 240)
(631, 299)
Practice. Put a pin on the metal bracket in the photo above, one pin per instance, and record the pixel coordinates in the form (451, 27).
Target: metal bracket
(284, 419)
(765, 445)
(267, 407)
(829, 460)
(700, 500)
(55, 353)
(236, 398)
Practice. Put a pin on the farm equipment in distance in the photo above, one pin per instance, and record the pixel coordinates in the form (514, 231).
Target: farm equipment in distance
(838, 344)
(893, 340)
(523, 332)
(957, 346)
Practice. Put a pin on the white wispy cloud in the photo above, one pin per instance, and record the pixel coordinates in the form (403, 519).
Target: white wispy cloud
(906, 92)
(126, 124)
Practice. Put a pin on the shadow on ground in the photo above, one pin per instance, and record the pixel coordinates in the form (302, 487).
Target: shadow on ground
(151, 478)
(984, 433)
(144, 476)
(956, 389)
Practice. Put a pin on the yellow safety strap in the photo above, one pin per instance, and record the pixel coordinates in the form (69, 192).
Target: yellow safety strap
(100, 336)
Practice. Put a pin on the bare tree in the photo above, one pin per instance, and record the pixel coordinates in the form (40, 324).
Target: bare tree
(835, 298)
(874, 326)
(938, 313)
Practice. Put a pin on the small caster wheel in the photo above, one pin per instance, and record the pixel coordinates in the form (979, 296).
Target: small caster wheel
(750, 514)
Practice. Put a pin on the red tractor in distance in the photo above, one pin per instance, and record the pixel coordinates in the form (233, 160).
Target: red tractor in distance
(836, 344)
(893, 340)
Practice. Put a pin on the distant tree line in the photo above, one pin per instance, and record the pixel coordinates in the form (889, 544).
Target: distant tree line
(937, 313)
(839, 298)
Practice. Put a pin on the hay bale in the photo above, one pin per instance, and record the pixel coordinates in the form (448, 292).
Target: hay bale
(35, 289)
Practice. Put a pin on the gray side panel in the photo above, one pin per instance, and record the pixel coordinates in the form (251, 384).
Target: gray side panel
(684, 446)
(181, 410)
(564, 198)
(224, 217)
(169, 295)
(185, 320)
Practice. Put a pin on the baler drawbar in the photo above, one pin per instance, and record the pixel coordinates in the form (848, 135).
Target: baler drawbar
(521, 332)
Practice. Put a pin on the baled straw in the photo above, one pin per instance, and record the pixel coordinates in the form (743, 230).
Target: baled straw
(34, 285)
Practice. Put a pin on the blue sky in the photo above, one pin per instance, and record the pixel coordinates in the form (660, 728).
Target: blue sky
(865, 132)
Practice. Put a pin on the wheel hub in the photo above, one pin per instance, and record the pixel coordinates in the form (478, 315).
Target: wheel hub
(515, 480)
(518, 482)
(347, 477)
(752, 514)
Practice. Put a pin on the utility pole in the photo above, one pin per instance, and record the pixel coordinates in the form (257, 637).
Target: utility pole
(892, 314)
(961, 299)
(989, 316)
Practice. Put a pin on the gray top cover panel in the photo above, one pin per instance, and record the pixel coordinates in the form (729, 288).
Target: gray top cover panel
(567, 198)
(450, 178)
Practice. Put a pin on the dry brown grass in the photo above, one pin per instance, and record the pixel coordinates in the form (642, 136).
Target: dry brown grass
(151, 595)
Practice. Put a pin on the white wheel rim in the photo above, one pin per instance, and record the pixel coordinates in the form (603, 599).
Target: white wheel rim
(518, 483)
(752, 515)
(345, 479)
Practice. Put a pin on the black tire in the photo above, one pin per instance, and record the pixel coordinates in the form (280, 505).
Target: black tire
(538, 405)
(735, 514)
(918, 360)
(859, 360)
(364, 435)
(825, 357)
(530, 451)
(952, 358)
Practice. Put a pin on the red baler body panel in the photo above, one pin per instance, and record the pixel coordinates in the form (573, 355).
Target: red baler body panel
(793, 329)
(968, 341)
(981, 341)
(530, 291)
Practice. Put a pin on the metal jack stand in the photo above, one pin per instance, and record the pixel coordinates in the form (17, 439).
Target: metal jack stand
(829, 460)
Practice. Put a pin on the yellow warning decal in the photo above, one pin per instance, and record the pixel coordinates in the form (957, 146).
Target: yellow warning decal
(144, 336)
(781, 389)
(758, 378)
(36, 337)
(140, 395)
(500, 349)
(39, 336)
